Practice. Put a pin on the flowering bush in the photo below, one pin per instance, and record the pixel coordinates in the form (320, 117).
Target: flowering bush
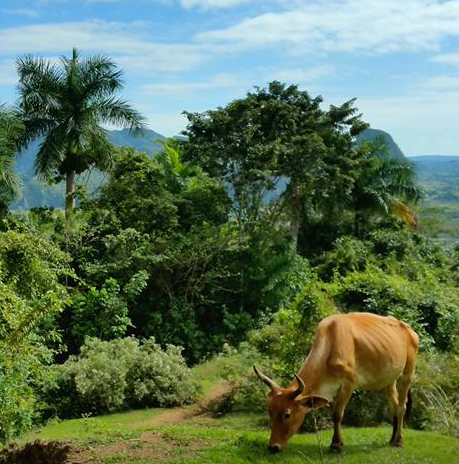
(113, 375)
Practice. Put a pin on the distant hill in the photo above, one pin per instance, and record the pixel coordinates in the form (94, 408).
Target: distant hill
(437, 174)
(374, 134)
(149, 141)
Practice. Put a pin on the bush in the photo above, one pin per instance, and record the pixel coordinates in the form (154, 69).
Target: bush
(436, 393)
(113, 375)
(430, 306)
(30, 298)
(348, 255)
(287, 340)
(159, 378)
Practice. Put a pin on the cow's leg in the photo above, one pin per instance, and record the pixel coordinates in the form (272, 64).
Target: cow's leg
(392, 396)
(403, 387)
(338, 406)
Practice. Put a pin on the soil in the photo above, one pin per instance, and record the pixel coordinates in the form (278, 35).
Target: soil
(38, 452)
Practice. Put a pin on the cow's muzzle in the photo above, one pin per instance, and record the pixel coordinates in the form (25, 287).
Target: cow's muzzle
(274, 448)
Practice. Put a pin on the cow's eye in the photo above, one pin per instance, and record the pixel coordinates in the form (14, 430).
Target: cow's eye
(287, 415)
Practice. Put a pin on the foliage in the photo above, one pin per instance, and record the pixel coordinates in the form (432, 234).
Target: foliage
(159, 378)
(430, 308)
(205, 284)
(102, 313)
(11, 130)
(288, 338)
(113, 375)
(273, 137)
(436, 393)
(386, 186)
(31, 295)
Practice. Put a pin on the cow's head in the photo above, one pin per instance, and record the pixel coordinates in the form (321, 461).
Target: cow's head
(287, 408)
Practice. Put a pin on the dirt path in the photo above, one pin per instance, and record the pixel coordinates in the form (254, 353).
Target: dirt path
(181, 414)
(151, 444)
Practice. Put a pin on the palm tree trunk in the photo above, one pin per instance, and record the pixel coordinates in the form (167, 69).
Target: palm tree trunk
(294, 226)
(70, 193)
(295, 206)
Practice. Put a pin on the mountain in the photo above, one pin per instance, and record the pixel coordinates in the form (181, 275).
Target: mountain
(375, 134)
(149, 141)
(437, 174)
(35, 193)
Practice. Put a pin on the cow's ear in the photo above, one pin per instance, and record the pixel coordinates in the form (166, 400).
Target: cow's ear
(312, 401)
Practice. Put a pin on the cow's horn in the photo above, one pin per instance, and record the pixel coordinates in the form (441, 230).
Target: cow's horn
(271, 384)
(301, 385)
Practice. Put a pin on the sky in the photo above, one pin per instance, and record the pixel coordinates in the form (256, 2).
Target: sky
(399, 58)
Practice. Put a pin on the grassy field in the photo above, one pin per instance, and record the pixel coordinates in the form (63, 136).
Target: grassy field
(139, 437)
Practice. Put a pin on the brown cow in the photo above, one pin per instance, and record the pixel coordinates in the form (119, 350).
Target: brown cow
(355, 351)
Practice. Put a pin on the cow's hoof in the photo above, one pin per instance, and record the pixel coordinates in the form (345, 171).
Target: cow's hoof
(396, 443)
(336, 447)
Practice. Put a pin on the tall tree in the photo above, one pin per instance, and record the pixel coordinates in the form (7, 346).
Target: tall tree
(11, 131)
(277, 134)
(66, 103)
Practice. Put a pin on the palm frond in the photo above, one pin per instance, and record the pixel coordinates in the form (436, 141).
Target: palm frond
(40, 85)
(404, 212)
(51, 154)
(116, 111)
(11, 132)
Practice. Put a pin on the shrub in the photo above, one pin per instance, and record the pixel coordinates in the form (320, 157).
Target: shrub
(430, 306)
(112, 375)
(287, 340)
(348, 255)
(30, 297)
(159, 378)
(436, 393)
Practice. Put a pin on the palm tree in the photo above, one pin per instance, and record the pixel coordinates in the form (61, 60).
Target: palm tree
(386, 187)
(66, 103)
(11, 131)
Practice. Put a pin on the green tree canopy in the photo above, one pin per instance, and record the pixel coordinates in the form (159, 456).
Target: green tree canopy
(278, 134)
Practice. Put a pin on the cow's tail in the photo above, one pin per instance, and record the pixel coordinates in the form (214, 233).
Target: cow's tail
(409, 403)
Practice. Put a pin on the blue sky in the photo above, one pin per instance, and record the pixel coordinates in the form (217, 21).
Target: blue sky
(399, 58)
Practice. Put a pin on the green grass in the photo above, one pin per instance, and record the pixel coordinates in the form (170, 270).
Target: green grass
(96, 430)
(236, 439)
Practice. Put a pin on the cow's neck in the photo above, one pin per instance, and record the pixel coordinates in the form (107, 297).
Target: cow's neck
(315, 380)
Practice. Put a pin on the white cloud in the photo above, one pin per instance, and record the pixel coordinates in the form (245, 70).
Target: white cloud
(129, 47)
(27, 12)
(301, 75)
(447, 58)
(441, 82)
(212, 4)
(238, 83)
(347, 25)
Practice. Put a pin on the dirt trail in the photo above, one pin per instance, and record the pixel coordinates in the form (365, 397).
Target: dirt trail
(181, 414)
(153, 445)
